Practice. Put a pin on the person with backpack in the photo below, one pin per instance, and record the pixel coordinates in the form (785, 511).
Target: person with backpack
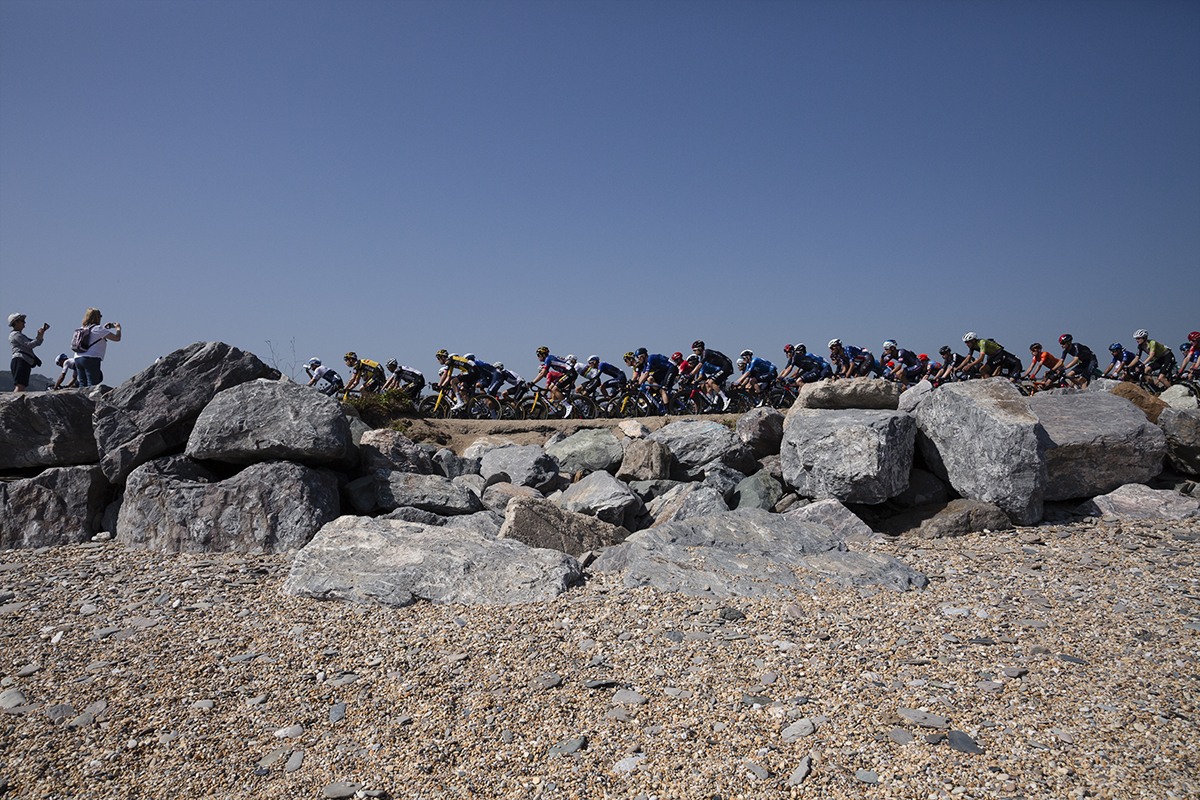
(23, 357)
(89, 343)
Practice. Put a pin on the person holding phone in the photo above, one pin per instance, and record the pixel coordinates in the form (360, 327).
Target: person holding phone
(87, 361)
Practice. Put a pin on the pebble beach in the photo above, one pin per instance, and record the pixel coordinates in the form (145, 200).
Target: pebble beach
(1050, 662)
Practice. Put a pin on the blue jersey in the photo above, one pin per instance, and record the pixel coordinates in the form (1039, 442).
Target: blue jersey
(657, 361)
(760, 369)
(1123, 357)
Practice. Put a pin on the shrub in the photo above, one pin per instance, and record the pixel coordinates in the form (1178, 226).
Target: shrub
(382, 410)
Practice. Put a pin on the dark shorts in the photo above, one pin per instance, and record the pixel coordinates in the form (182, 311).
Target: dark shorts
(665, 376)
(20, 371)
(1005, 360)
(1164, 365)
(333, 387)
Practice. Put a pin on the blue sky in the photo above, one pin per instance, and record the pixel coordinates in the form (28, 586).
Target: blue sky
(395, 177)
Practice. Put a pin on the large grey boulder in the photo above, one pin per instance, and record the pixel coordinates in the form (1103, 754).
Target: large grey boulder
(173, 505)
(686, 501)
(1135, 501)
(761, 429)
(856, 456)
(499, 495)
(486, 523)
(644, 460)
(844, 524)
(1182, 429)
(850, 393)
(759, 490)
(723, 478)
(394, 563)
(603, 496)
(60, 505)
(449, 465)
(153, 412)
(538, 522)
(386, 490)
(1095, 442)
(914, 395)
(265, 420)
(1179, 397)
(388, 449)
(520, 465)
(697, 443)
(982, 438)
(47, 429)
(746, 554)
(588, 450)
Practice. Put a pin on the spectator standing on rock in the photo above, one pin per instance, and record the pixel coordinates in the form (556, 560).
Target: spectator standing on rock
(23, 357)
(89, 344)
(67, 365)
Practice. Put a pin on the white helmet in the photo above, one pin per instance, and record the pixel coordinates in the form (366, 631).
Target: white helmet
(593, 358)
(889, 344)
(1141, 333)
(835, 343)
(741, 364)
(314, 362)
(969, 337)
(442, 371)
(572, 360)
(499, 365)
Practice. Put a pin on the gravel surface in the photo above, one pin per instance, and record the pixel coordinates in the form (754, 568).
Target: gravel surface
(1050, 662)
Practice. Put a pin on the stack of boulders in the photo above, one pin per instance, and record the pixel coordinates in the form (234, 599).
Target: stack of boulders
(210, 449)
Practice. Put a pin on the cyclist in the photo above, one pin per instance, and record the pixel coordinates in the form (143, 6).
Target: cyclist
(68, 365)
(715, 383)
(757, 374)
(333, 381)
(1041, 358)
(803, 366)
(1159, 358)
(999, 360)
(1191, 356)
(484, 375)
(952, 365)
(849, 361)
(552, 366)
(364, 371)
(502, 379)
(407, 379)
(594, 373)
(658, 369)
(1125, 365)
(1079, 362)
(465, 377)
(909, 368)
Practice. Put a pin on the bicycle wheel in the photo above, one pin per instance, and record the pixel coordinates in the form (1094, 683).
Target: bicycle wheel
(510, 410)
(583, 407)
(780, 398)
(431, 408)
(484, 406)
(534, 408)
(739, 402)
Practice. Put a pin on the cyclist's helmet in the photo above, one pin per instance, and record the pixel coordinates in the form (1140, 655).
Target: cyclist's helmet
(351, 357)
(970, 336)
(747, 355)
(741, 364)
(392, 364)
(922, 357)
(443, 370)
(945, 351)
(58, 362)
(593, 359)
(499, 365)
(1116, 347)
(698, 344)
(641, 351)
(628, 356)
(1183, 348)
(1065, 339)
(677, 357)
(693, 359)
(1141, 333)
(889, 344)
(1035, 347)
(1194, 336)
(542, 352)
(469, 356)
(572, 360)
(835, 343)
(801, 349)
(788, 349)
(314, 362)
(442, 354)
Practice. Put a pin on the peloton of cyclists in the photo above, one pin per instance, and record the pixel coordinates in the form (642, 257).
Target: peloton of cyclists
(852, 362)
(333, 381)
(559, 374)
(803, 366)
(1124, 366)
(594, 374)
(1041, 358)
(908, 369)
(655, 368)
(466, 377)
(714, 382)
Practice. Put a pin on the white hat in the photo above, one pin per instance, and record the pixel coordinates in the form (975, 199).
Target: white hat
(12, 318)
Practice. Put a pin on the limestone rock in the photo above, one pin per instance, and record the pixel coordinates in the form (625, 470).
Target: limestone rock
(603, 496)
(520, 465)
(266, 420)
(499, 495)
(982, 437)
(686, 501)
(61, 505)
(1150, 405)
(633, 429)
(587, 450)
(1182, 429)
(393, 563)
(538, 522)
(1135, 501)
(762, 430)
(854, 456)
(850, 393)
(392, 450)
(1179, 397)
(697, 443)
(844, 524)
(46, 429)
(644, 460)
(153, 412)
(914, 395)
(173, 505)
(961, 517)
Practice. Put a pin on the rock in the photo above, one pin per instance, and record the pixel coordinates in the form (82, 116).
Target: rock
(448, 465)
(923, 718)
(392, 450)
(982, 437)
(633, 429)
(798, 730)
(265, 420)
(644, 460)
(483, 444)
(410, 514)
(499, 495)
(962, 742)
(696, 443)
(850, 393)
(801, 771)
(603, 496)
(649, 490)
(743, 554)
(540, 523)
(923, 488)
(853, 456)
(1095, 442)
(913, 396)
(47, 429)
(1182, 430)
(153, 412)
(759, 490)
(520, 465)
(60, 505)
(1150, 405)
(364, 560)
(1179, 397)
(961, 517)
(686, 501)
(723, 478)
(426, 492)
(1135, 501)
(173, 505)
(761, 429)
(482, 523)
(844, 524)
(472, 483)
(588, 450)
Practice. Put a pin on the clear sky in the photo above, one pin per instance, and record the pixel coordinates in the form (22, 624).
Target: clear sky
(395, 177)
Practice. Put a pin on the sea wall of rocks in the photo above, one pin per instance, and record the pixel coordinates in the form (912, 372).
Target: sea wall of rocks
(210, 450)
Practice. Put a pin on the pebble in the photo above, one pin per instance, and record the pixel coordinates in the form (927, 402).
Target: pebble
(628, 697)
(798, 730)
(294, 762)
(336, 712)
(290, 732)
(962, 742)
(801, 772)
(866, 776)
(341, 789)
